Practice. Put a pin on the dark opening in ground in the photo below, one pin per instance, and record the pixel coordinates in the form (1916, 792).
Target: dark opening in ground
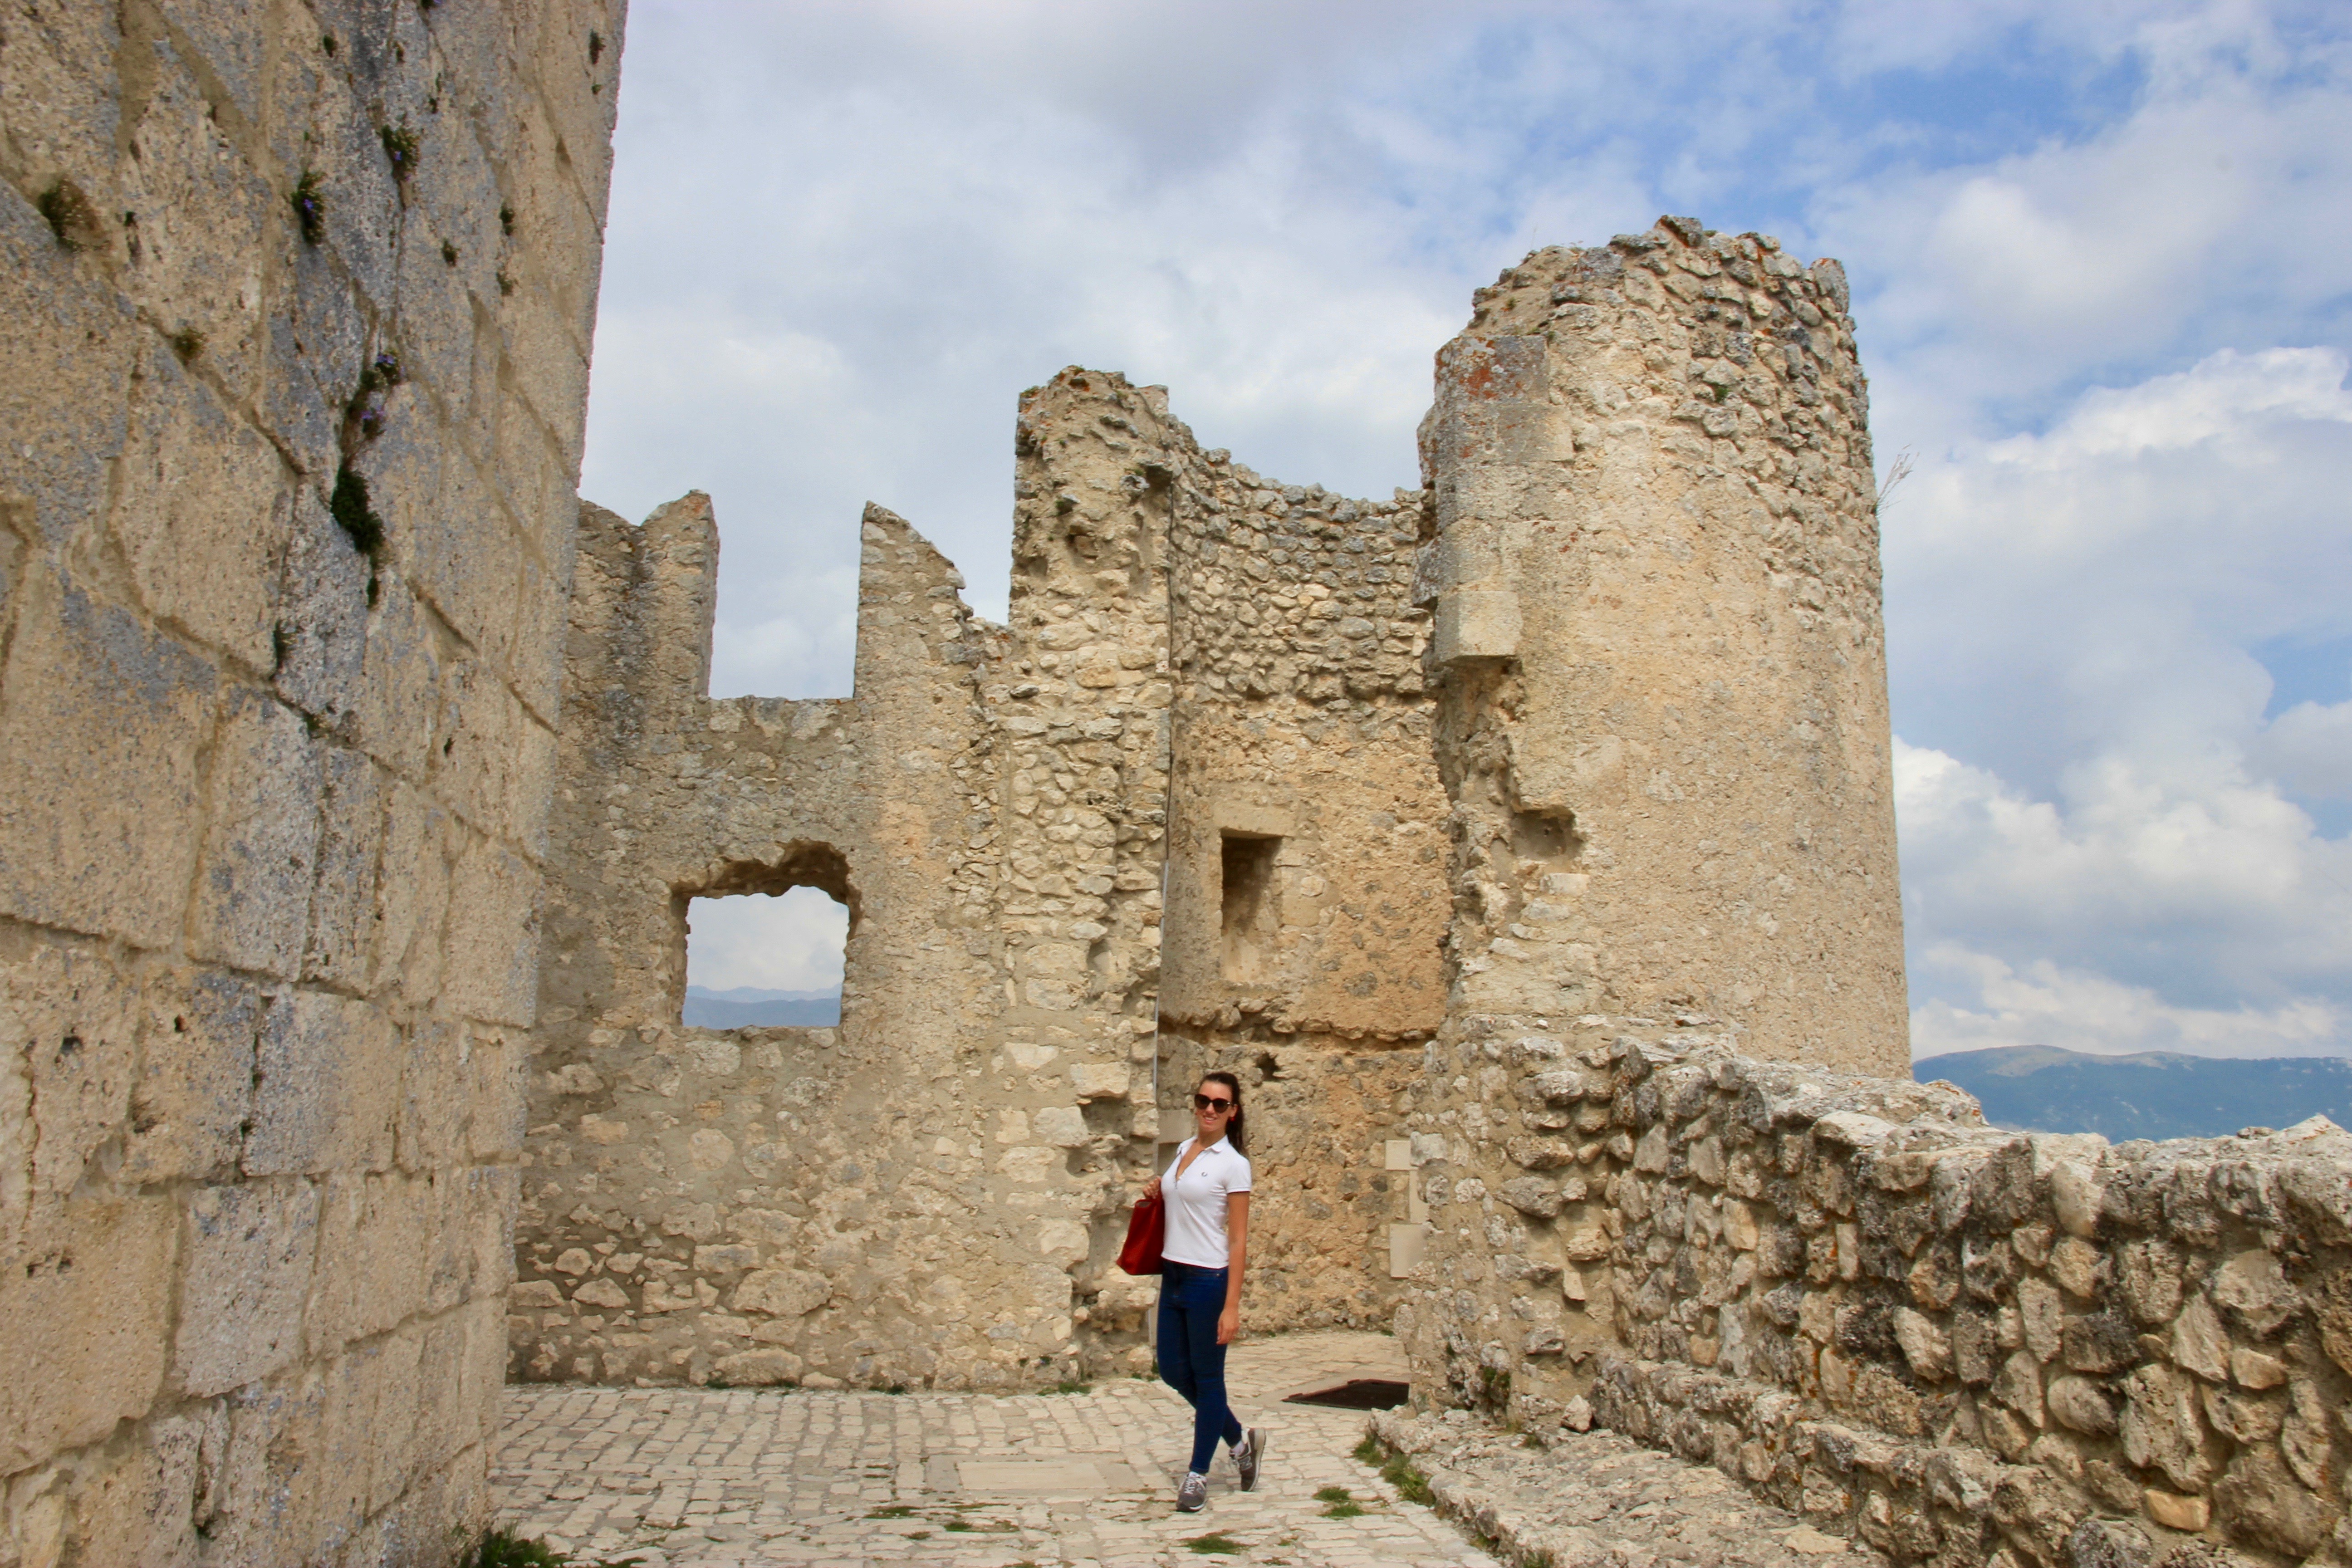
(1358, 1394)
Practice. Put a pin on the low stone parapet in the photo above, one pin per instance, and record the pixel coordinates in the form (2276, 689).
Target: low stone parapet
(1948, 1340)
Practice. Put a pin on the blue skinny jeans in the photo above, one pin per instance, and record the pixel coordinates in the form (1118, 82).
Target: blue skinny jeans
(1191, 1361)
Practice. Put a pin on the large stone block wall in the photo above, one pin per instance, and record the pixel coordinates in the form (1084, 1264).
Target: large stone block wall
(300, 301)
(1656, 583)
(1949, 1341)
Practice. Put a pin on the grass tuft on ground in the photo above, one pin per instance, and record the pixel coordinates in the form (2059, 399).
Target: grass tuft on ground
(504, 1549)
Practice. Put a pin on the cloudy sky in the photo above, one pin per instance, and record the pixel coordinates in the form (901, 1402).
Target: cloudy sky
(2102, 257)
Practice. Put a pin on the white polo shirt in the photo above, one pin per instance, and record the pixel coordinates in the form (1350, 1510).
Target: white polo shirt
(1196, 1202)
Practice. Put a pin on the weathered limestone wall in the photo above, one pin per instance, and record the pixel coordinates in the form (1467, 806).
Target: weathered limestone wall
(1944, 1339)
(1655, 582)
(942, 1201)
(299, 302)
(1610, 694)
(763, 1205)
(1306, 871)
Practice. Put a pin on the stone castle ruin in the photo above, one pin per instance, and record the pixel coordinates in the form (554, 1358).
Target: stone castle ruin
(1524, 843)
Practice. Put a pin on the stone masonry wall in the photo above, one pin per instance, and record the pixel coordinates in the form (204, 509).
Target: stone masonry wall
(299, 301)
(1303, 752)
(935, 1196)
(1949, 1341)
(1655, 582)
(773, 1205)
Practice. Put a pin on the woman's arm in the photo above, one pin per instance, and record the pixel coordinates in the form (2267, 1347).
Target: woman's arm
(1229, 1321)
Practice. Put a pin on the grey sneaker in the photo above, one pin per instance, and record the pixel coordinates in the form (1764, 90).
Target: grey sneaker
(1247, 1457)
(1193, 1495)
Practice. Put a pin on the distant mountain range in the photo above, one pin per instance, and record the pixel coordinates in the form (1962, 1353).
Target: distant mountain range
(750, 1007)
(2150, 1094)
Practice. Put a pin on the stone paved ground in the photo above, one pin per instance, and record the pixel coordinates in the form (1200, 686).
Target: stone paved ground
(730, 1478)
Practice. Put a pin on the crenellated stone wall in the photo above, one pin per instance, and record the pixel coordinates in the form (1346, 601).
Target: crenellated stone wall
(299, 302)
(998, 808)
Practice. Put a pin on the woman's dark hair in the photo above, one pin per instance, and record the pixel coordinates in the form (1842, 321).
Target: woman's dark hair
(1234, 1131)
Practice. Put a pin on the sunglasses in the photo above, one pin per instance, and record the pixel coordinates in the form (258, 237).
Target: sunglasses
(1204, 1102)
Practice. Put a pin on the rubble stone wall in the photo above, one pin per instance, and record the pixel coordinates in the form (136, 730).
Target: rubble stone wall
(1257, 777)
(1302, 753)
(299, 302)
(1947, 1340)
(770, 1205)
(936, 1194)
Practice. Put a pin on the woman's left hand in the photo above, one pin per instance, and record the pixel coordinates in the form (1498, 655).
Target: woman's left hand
(1229, 1325)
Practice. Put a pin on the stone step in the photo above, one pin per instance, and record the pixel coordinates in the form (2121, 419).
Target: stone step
(1598, 1500)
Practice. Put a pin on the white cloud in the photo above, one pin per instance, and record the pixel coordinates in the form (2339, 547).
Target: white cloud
(792, 942)
(2308, 749)
(2081, 1011)
(2053, 596)
(2127, 873)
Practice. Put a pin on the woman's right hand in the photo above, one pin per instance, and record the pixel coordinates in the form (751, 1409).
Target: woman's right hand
(1151, 1188)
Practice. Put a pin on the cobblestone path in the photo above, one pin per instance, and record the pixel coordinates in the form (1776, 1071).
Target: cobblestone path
(729, 1478)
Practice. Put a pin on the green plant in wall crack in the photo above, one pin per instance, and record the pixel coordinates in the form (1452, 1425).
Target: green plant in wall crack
(310, 207)
(187, 342)
(403, 147)
(363, 415)
(350, 507)
(70, 216)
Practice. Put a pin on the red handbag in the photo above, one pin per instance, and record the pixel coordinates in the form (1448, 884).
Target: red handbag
(1144, 1228)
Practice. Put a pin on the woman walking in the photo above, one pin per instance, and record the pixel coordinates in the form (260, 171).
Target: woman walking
(1206, 1192)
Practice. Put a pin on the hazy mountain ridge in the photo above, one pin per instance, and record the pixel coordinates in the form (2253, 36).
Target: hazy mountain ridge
(2148, 1094)
(750, 1007)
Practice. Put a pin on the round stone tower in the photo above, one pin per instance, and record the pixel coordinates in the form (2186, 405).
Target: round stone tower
(1656, 587)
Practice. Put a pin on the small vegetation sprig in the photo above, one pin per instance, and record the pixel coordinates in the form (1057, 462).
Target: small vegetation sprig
(403, 147)
(310, 207)
(504, 1549)
(365, 413)
(187, 342)
(1396, 1469)
(69, 214)
(353, 512)
(1340, 1503)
